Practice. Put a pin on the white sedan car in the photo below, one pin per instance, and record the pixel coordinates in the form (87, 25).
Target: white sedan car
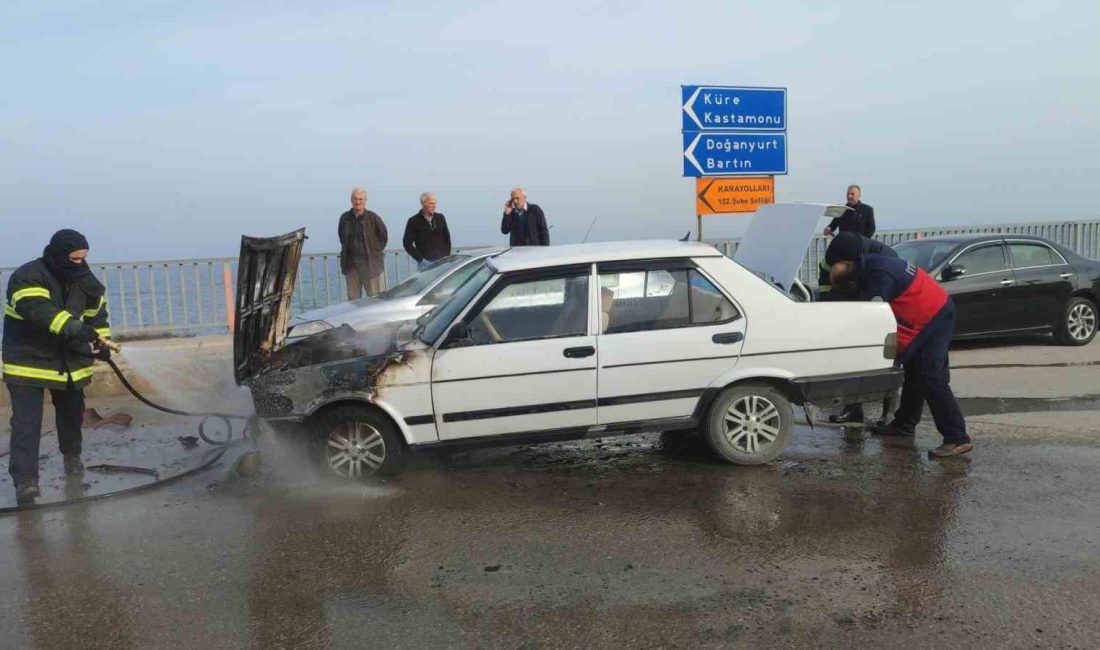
(575, 341)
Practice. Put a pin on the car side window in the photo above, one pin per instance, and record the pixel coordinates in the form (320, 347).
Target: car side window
(636, 301)
(1026, 255)
(986, 259)
(708, 305)
(533, 309)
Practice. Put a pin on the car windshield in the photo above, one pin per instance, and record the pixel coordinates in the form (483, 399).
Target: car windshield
(925, 254)
(415, 284)
(432, 324)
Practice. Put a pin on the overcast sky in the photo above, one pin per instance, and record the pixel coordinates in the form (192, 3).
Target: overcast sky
(168, 129)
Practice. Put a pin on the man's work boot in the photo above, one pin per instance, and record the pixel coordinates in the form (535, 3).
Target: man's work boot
(73, 466)
(26, 492)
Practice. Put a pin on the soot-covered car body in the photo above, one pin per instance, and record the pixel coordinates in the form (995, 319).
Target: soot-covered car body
(563, 342)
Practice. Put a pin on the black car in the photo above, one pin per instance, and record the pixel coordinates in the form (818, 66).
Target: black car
(1012, 284)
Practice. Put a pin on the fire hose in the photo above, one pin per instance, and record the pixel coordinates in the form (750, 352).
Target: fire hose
(221, 446)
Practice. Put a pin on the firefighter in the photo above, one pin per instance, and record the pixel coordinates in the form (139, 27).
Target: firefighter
(55, 312)
(926, 322)
(847, 247)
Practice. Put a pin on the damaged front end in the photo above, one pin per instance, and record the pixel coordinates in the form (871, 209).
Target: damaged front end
(290, 379)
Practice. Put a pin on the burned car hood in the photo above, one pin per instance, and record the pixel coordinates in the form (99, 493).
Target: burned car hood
(266, 272)
(777, 238)
(336, 312)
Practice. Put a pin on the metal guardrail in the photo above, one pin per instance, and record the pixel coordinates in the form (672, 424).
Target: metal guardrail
(196, 295)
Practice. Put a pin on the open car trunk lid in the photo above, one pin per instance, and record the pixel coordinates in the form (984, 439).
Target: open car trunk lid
(777, 238)
(266, 272)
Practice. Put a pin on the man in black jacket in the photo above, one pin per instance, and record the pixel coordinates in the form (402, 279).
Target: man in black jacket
(523, 222)
(363, 239)
(427, 238)
(55, 312)
(858, 218)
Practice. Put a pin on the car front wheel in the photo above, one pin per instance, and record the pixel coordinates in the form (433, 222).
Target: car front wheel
(1078, 324)
(358, 443)
(750, 424)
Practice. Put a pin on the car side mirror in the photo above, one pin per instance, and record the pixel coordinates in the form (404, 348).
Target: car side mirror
(459, 336)
(952, 271)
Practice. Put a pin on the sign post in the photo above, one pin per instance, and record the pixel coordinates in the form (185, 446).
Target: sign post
(734, 144)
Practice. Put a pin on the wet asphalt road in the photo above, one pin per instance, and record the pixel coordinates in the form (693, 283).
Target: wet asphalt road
(642, 541)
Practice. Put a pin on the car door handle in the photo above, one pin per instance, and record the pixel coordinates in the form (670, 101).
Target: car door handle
(577, 353)
(726, 338)
(1005, 283)
(1065, 275)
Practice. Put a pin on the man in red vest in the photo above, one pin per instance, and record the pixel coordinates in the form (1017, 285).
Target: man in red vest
(926, 323)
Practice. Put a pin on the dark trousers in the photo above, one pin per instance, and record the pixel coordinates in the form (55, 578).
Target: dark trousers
(26, 426)
(928, 379)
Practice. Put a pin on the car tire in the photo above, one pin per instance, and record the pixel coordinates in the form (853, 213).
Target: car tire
(358, 443)
(1078, 323)
(750, 424)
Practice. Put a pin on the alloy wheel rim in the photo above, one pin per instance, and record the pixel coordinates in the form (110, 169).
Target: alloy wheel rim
(355, 449)
(1082, 322)
(752, 424)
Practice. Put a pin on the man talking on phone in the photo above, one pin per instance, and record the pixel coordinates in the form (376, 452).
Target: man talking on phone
(523, 222)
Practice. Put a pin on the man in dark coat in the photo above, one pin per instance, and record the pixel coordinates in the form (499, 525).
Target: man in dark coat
(858, 218)
(523, 222)
(55, 312)
(427, 238)
(363, 239)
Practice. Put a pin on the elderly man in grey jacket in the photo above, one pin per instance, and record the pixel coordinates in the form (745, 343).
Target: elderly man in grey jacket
(363, 239)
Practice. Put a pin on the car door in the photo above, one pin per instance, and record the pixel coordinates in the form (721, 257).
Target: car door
(979, 293)
(666, 330)
(529, 363)
(1044, 282)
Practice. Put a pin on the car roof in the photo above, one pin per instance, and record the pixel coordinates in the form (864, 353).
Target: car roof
(533, 257)
(972, 238)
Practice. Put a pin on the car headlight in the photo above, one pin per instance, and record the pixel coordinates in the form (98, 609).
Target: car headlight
(308, 329)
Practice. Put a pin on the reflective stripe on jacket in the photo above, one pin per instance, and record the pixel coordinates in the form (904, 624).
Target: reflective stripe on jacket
(42, 346)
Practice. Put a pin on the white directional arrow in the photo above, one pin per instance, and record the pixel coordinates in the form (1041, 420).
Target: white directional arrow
(689, 153)
(690, 110)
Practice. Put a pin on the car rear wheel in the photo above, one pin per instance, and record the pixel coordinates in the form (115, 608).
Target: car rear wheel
(355, 442)
(750, 424)
(1078, 325)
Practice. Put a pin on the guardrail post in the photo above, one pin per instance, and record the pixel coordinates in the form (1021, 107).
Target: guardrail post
(229, 310)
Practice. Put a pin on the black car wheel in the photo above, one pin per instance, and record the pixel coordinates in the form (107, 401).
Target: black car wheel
(358, 443)
(1078, 324)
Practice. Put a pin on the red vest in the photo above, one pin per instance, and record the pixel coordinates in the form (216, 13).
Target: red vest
(916, 306)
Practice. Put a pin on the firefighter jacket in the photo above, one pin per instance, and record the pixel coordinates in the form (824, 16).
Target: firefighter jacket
(44, 326)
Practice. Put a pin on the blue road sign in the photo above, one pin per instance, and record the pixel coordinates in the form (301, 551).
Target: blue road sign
(733, 108)
(734, 154)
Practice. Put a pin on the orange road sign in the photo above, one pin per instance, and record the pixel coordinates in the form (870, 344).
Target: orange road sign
(721, 195)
